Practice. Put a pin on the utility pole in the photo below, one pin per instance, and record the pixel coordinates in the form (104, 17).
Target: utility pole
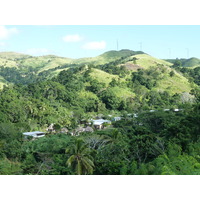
(117, 45)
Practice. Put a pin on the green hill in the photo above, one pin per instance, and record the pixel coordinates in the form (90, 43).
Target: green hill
(102, 77)
(13, 55)
(3, 82)
(173, 84)
(146, 61)
(27, 69)
(42, 63)
(108, 57)
(191, 62)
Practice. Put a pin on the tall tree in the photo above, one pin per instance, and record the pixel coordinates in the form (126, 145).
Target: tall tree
(80, 159)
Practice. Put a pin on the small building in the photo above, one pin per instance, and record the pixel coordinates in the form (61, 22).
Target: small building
(116, 119)
(80, 129)
(166, 109)
(99, 123)
(35, 134)
(64, 130)
(51, 128)
(89, 129)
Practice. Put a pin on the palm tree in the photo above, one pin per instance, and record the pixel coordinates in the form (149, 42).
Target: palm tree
(80, 158)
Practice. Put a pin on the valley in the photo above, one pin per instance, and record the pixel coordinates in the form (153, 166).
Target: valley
(71, 95)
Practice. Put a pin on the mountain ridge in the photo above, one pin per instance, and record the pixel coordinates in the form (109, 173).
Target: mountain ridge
(25, 69)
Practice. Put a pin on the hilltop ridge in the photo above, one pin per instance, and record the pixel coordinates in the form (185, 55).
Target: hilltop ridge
(25, 69)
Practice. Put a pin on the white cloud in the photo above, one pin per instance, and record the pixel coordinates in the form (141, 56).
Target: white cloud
(38, 51)
(95, 45)
(5, 33)
(72, 38)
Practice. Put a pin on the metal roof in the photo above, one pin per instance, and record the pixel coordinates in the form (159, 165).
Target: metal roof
(34, 133)
(100, 121)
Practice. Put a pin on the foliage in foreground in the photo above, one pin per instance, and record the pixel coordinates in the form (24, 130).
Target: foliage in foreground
(166, 143)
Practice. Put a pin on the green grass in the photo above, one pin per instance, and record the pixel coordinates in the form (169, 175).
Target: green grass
(44, 62)
(175, 84)
(87, 95)
(147, 61)
(55, 62)
(107, 57)
(102, 77)
(192, 62)
(122, 93)
(13, 55)
(8, 63)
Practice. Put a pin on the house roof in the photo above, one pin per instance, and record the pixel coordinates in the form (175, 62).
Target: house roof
(89, 129)
(100, 121)
(34, 133)
(117, 118)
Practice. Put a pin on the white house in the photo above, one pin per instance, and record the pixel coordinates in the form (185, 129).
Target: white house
(166, 109)
(35, 134)
(98, 124)
(116, 119)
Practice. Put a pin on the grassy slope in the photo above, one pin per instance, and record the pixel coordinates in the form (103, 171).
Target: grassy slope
(175, 84)
(146, 61)
(191, 62)
(8, 63)
(13, 55)
(122, 93)
(107, 57)
(102, 77)
(12, 59)
(45, 62)
(54, 61)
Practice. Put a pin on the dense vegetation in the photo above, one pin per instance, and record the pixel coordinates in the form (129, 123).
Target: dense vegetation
(191, 62)
(156, 140)
(192, 74)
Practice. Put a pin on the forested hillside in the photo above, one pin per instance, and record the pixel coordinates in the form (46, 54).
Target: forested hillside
(156, 103)
(191, 62)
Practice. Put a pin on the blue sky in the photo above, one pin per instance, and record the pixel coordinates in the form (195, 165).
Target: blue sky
(161, 41)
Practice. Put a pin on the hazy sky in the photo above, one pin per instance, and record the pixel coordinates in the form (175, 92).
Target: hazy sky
(161, 41)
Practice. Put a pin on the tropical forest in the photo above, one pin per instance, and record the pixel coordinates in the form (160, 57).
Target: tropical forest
(123, 112)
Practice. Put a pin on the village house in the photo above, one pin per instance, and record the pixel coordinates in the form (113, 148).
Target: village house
(116, 119)
(80, 129)
(51, 128)
(99, 123)
(35, 134)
